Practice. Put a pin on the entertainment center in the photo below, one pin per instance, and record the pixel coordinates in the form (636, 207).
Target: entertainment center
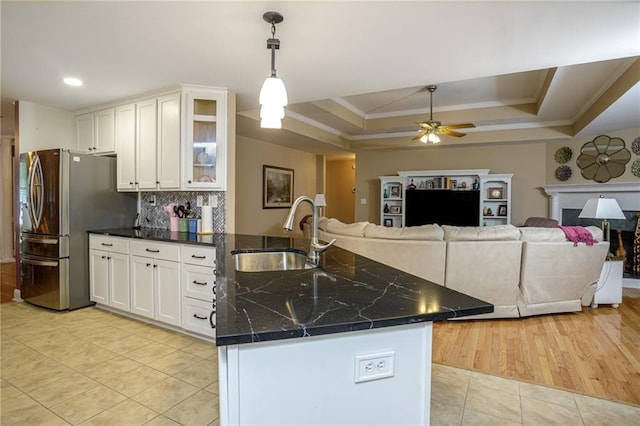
(471, 197)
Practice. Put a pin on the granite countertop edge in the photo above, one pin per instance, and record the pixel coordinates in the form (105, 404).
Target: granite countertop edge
(250, 307)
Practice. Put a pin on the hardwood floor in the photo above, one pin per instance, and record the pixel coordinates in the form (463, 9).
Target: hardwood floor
(7, 281)
(595, 352)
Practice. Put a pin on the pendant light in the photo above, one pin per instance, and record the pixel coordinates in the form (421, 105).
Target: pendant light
(273, 95)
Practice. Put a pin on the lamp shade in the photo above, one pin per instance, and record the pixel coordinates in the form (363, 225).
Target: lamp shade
(320, 200)
(601, 208)
(273, 98)
(273, 92)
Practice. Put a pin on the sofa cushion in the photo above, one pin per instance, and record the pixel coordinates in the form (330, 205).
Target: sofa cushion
(553, 235)
(423, 232)
(481, 233)
(334, 226)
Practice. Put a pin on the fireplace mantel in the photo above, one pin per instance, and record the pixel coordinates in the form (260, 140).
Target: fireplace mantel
(575, 196)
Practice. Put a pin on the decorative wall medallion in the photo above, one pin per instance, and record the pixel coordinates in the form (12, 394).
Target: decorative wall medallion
(563, 155)
(635, 168)
(603, 158)
(563, 173)
(635, 146)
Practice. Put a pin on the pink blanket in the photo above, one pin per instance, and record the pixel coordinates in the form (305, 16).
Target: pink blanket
(578, 234)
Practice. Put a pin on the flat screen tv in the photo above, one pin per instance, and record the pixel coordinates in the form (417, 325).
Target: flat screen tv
(442, 206)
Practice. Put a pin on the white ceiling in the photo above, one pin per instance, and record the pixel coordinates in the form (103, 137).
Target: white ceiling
(355, 71)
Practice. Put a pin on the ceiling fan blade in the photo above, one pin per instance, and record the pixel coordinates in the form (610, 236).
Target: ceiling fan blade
(460, 126)
(421, 134)
(426, 125)
(451, 133)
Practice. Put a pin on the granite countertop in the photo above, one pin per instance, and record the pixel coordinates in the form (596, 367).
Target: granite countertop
(347, 292)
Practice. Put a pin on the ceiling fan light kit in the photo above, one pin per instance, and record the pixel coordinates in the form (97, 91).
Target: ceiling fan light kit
(273, 95)
(430, 129)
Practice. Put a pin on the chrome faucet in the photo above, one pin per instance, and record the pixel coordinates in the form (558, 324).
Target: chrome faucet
(316, 247)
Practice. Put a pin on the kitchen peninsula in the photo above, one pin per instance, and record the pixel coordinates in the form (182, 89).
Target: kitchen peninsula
(346, 343)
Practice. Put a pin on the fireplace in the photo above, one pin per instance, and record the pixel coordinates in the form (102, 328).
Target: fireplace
(566, 202)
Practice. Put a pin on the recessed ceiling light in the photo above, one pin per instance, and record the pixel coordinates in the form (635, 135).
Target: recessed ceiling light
(71, 81)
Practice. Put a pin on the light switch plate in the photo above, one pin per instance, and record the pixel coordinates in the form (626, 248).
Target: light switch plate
(213, 200)
(199, 200)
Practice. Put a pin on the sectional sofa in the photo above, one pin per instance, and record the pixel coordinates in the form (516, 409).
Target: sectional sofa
(522, 271)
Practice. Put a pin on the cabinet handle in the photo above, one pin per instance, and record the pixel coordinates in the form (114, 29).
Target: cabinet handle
(198, 257)
(104, 257)
(215, 271)
(108, 257)
(199, 283)
(130, 183)
(148, 264)
(136, 182)
(157, 182)
(214, 290)
(107, 244)
(211, 318)
(188, 181)
(152, 251)
(199, 317)
(155, 266)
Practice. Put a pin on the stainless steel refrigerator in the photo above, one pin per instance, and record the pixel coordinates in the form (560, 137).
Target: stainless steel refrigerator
(62, 196)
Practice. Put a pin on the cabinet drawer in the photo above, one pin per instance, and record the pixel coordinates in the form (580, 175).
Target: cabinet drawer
(198, 316)
(205, 256)
(112, 244)
(162, 251)
(198, 282)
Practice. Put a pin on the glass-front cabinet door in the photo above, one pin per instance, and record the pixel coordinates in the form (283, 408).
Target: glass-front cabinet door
(205, 139)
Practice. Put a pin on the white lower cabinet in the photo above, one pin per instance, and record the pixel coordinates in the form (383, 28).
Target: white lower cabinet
(109, 271)
(199, 289)
(166, 282)
(155, 281)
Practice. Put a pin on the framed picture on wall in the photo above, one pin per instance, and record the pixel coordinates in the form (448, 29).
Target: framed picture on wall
(277, 187)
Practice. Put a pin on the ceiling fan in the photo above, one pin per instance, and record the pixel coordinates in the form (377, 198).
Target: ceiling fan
(430, 129)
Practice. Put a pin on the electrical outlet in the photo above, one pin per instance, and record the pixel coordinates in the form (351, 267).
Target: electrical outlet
(213, 200)
(152, 200)
(198, 200)
(363, 201)
(374, 366)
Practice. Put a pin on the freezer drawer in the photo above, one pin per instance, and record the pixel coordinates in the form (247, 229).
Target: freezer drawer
(45, 281)
(44, 245)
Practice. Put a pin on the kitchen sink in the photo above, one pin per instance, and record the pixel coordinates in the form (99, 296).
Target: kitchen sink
(262, 260)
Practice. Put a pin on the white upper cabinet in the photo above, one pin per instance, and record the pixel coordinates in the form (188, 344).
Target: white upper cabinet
(126, 147)
(146, 151)
(148, 144)
(168, 146)
(95, 132)
(205, 132)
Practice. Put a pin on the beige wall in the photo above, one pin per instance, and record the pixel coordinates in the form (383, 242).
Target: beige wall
(251, 155)
(525, 160)
(575, 144)
(341, 178)
(43, 127)
(532, 165)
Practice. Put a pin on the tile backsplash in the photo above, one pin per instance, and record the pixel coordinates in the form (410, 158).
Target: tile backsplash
(157, 217)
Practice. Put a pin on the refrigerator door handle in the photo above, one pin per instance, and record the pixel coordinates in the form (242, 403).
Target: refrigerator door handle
(40, 240)
(35, 183)
(38, 262)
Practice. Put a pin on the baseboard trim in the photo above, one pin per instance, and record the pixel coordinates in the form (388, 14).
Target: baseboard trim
(630, 283)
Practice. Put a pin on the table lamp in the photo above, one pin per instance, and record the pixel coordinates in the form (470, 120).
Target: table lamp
(602, 208)
(320, 201)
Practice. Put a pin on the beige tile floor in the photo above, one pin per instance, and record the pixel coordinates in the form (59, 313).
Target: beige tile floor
(92, 367)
